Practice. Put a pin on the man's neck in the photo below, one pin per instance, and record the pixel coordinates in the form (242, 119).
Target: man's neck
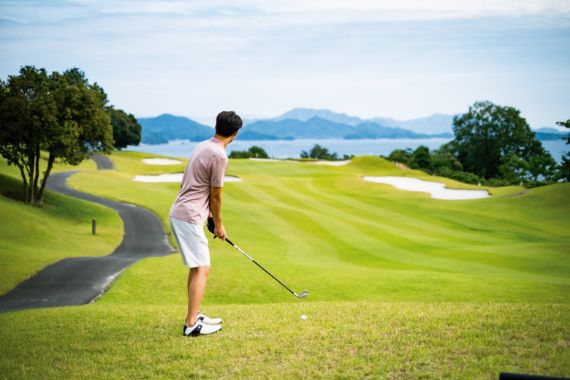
(224, 140)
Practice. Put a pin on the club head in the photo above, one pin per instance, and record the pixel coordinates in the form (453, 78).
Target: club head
(303, 294)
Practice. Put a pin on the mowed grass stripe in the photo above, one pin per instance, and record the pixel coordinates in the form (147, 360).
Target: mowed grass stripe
(298, 239)
(356, 242)
(373, 215)
(409, 215)
(338, 224)
(508, 237)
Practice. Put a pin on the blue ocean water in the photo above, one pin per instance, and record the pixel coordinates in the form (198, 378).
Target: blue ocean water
(293, 148)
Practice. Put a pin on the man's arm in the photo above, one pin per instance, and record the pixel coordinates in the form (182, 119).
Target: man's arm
(216, 211)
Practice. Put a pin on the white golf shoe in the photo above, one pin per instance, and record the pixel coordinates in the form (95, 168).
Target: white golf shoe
(207, 320)
(199, 328)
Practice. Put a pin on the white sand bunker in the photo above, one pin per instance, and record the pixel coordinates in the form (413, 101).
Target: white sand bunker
(273, 160)
(331, 163)
(174, 178)
(436, 189)
(161, 161)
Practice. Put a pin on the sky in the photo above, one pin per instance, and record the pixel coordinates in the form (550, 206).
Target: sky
(400, 58)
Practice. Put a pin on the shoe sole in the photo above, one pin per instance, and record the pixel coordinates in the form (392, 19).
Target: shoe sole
(196, 336)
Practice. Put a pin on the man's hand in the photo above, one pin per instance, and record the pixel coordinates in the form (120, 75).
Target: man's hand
(220, 232)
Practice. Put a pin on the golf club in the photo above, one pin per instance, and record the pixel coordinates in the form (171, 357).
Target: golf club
(303, 294)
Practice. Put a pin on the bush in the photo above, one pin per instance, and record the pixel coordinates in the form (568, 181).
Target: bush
(465, 177)
(401, 156)
(252, 152)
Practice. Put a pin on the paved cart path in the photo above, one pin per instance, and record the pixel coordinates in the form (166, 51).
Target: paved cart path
(80, 280)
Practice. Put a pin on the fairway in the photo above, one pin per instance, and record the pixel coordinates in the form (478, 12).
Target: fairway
(401, 285)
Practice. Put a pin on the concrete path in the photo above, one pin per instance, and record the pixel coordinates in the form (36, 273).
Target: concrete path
(80, 280)
(103, 162)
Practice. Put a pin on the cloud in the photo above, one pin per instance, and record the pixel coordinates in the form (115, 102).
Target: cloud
(397, 58)
(314, 11)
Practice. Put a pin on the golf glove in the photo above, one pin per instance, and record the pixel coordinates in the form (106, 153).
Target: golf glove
(211, 225)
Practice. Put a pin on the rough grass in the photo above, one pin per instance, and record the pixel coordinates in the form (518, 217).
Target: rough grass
(338, 340)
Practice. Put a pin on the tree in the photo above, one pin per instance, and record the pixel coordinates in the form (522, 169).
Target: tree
(421, 158)
(320, 153)
(126, 128)
(565, 166)
(257, 152)
(254, 151)
(60, 114)
(403, 156)
(26, 112)
(443, 160)
(489, 137)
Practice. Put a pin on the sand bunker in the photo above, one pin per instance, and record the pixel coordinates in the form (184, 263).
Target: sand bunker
(436, 189)
(272, 160)
(331, 163)
(161, 161)
(174, 178)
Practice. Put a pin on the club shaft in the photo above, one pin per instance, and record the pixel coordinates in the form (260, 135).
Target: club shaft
(259, 265)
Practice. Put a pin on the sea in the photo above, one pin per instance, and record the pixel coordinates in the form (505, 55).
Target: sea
(281, 149)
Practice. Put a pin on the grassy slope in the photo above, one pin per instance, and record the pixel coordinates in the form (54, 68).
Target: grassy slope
(323, 228)
(35, 237)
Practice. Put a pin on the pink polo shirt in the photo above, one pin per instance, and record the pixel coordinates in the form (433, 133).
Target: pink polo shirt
(206, 169)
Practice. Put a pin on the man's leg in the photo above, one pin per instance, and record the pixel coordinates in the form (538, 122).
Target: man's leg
(197, 278)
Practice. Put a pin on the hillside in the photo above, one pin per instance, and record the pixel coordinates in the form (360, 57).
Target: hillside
(166, 127)
(33, 237)
(401, 285)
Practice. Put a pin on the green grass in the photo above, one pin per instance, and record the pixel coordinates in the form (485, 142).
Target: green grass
(402, 285)
(324, 228)
(338, 340)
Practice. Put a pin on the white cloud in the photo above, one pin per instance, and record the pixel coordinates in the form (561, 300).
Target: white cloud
(314, 11)
(397, 58)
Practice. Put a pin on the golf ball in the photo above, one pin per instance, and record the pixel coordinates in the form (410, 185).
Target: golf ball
(303, 317)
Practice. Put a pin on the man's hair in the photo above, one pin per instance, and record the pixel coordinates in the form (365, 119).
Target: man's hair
(227, 123)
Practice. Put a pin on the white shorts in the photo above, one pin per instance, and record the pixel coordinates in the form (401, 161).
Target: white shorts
(192, 242)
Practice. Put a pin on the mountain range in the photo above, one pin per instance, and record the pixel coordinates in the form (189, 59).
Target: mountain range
(164, 128)
(434, 124)
(305, 123)
(319, 127)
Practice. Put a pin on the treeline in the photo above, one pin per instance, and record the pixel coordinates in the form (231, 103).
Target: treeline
(252, 152)
(493, 145)
(59, 115)
(318, 152)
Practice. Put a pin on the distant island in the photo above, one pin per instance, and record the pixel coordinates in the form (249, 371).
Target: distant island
(306, 123)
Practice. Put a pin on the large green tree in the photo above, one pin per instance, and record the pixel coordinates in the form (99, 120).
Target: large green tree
(494, 141)
(61, 114)
(126, 128)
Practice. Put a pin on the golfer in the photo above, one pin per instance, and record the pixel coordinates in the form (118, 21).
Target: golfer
(200, 197)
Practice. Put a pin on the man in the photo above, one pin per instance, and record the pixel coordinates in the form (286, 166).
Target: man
(200, 196)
